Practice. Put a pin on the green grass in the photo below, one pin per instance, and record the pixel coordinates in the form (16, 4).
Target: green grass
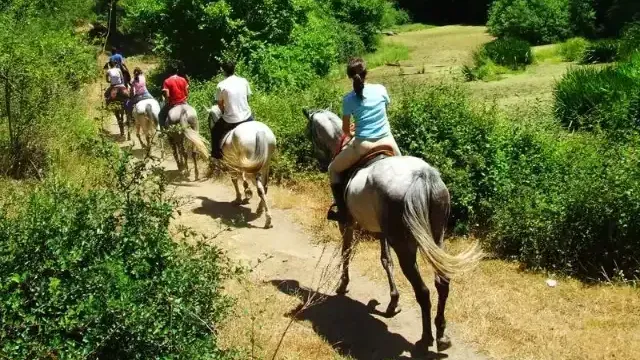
(547, 53)
(410, 27)
(388, 53)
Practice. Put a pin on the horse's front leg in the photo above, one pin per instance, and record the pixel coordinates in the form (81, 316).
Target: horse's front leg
(234, 180)
(194, 156)
(347, 243)
(387, 264)
(263, 206)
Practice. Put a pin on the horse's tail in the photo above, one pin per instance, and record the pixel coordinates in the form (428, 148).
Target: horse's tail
(199, 143)
(148, 110)
(255, 162)
(417, 202)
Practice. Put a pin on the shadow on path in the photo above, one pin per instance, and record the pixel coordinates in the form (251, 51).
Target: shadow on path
(230, 214)
(348, 326)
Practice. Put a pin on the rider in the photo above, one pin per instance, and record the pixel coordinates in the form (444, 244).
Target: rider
(175, 90)
(118, 59)
(367, 104)
(116, 81)
(139, 86)
(232, 96)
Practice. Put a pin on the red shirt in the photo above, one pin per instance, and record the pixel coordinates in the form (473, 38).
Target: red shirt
(177, 87)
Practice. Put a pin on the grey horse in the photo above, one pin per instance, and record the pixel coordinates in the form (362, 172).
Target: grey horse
(186, 119)
(404, 201)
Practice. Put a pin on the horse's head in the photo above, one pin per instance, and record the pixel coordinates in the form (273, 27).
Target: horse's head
(215, 114)
(325, 130)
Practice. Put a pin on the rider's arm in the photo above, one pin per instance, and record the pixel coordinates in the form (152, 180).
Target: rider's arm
(219, 98)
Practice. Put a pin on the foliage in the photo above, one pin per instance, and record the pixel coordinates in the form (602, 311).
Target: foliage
(592, 98)
(601, 51)
(447, 12)
(582, 17)
(367, 15)
(498, 57)
(96, 274)
(573, 49)
(537, 21)
(42, 66)
(629, 43)
(439, 125)
(394, 16)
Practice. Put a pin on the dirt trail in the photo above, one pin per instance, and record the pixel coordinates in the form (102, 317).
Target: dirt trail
(296, 266)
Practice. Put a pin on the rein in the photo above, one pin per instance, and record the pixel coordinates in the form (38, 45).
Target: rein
(344, 140)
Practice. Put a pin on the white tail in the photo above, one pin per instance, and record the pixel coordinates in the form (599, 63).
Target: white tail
(238, 159)
(199, 143)
(416, 219)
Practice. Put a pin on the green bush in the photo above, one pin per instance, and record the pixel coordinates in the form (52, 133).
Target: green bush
(439, 125)
(367, 15)
(582, 17)
(569, 205)
(601, 51)
(96, 274)
(630, 42)
(590, 98)
(537, 21)
(512, 53)
(394, 15)
(573, 49)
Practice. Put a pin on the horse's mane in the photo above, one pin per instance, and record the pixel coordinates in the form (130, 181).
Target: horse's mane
(312, 130)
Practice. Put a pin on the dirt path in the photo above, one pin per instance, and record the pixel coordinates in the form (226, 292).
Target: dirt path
(295, 265)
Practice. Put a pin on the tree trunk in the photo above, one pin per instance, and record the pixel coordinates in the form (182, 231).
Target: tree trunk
(113, 23)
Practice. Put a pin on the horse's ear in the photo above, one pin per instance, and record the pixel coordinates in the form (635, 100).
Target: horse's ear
(306, 113)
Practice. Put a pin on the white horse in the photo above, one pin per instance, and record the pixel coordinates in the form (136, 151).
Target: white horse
(404, 201)
(186, 119)
(145, 116)
(247, 150)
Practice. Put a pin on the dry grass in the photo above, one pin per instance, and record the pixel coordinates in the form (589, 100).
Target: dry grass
(259, 320)
(500, 309)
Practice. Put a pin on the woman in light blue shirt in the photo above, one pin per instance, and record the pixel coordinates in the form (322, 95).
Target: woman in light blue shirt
(367, 105)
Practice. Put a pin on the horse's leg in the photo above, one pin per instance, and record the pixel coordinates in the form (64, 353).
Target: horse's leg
(263, 202)
(347, 242)
(234, 180)
(406, 250)
(438, 216)
(183, 154)
(120, 122)
(138, 128)
(194, 156)
(248, 194)
(387, 264)
(174, 148)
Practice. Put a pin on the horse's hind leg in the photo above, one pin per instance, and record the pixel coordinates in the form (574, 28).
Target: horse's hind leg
(263, 202)
(406, 249)
(347, 242)
(234, 180)
(438, 217)
(387, 264)
(248, 194)
(194, 156)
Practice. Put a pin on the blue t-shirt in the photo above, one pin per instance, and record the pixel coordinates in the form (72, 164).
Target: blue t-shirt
(117, 58)
(370, 113)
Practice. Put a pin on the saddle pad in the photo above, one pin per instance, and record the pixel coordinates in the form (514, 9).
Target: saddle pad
(379, 153)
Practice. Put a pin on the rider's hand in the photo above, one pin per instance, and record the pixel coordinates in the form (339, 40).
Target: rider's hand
(346, 130)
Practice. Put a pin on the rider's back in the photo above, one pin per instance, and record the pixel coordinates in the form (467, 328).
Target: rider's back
(177, 87)
(370, 113)
(234, 91)
(115, 76)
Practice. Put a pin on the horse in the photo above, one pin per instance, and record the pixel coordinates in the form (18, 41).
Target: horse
(182, 122)
(145, 117)
(116, 102)
(247, 150)
(404, 201)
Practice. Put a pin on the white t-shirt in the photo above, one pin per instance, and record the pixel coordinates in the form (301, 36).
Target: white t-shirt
(234, 91)
(115, 76)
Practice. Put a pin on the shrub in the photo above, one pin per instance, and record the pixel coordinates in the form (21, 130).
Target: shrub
(394, 15)
(582, 17)
(512, 53)
(440, 126)
(630, 42)
(366, 15)
(96, 274)
(590, 98)
(573, 49)
(601, 51)
(537, 21)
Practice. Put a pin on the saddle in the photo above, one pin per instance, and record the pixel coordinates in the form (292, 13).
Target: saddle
(376, 154)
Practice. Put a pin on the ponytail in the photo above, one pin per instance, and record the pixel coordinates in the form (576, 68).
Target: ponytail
(358, 86)
(357, 71)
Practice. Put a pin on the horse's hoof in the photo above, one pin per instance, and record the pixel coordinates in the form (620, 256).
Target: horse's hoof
(268, 224)
(422, 347)
(248, 194)
(443, 343)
